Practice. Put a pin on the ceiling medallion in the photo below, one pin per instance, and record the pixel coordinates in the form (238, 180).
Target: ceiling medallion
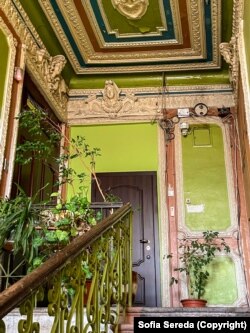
(131, 9)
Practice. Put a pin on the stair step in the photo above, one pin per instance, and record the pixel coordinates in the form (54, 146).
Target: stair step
(126, 328)
(128, 325)
(183, 312)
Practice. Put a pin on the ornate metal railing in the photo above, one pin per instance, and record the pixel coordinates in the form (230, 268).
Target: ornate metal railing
(100, 258)
(13, 267)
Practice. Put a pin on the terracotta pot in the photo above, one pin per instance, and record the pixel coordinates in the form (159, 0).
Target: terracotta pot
(193, 303)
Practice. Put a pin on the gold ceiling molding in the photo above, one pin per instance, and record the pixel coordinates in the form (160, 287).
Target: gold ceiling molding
(84, 44)
(132, 10)
(178, 40)
(114, 105)
(177, 25)
(196, 52)
(230, 50)
(53, 86)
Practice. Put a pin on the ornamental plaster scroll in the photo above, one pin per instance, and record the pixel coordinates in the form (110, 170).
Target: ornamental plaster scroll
(5, 107)
(114, 105)
(131, 9)
(51, 68)
(230, 50)
(230, 55)
(107, 104)
(43, 69)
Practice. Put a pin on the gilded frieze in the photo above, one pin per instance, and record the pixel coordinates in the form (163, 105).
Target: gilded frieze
(113, 105)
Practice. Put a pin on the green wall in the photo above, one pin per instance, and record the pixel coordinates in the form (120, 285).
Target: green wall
(247, 34)
(124, 147)
(204, 179)
(222, 277)
(4, 56)
(207, 203)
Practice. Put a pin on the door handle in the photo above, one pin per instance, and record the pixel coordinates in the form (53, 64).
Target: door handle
(144, 241)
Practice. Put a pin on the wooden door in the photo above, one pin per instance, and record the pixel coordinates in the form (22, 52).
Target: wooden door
(140, 190)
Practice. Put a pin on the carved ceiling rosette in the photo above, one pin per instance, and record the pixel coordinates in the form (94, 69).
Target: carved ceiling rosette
(131, 9)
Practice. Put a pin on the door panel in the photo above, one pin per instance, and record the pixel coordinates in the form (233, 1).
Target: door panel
(206, 201)
(140, 190)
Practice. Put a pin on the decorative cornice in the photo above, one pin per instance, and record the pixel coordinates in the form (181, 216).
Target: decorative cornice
(230, 54)
(230, 50)
(91, 57)
(144, 104)
(53, 88)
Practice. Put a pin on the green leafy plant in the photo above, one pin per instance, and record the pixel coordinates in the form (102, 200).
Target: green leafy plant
(60, 224)
(18, 219)
(41, 135)
(38, 232)
(196, 255)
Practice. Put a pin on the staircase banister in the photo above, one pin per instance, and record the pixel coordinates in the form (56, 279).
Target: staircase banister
(11, 297)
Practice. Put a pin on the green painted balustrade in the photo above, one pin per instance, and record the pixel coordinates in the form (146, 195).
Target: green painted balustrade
(85, 287)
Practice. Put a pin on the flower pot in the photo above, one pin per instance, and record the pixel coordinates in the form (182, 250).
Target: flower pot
(193, 303)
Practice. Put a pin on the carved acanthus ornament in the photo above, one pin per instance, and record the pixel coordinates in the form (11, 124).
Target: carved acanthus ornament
(108, 103)
(51, 68)
(43, 69)
(131, 9)
(230, 55)
(114, 105)
(230, 51)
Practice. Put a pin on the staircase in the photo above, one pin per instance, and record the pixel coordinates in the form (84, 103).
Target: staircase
(128, 324)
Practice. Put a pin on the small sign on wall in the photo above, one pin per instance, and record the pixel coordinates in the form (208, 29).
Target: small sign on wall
(195, 208)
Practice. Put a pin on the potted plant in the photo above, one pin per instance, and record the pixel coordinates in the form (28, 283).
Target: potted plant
(37, 229)
(196, 255)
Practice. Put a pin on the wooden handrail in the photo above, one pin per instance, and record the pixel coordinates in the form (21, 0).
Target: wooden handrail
(11, 297)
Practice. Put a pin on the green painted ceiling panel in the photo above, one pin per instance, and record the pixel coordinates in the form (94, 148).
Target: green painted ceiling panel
(148, 23)
(151, 20)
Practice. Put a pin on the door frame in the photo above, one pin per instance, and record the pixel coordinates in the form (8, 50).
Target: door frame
(152, 176)
(237, 223)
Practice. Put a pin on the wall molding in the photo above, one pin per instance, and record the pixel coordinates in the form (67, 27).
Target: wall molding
(90, 106)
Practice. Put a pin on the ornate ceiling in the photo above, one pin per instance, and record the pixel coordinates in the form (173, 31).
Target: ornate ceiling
(126, 36)
(141, 38)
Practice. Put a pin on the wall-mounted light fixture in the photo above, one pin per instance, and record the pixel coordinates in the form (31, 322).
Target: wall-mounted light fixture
(185, 128)
(18, 74)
